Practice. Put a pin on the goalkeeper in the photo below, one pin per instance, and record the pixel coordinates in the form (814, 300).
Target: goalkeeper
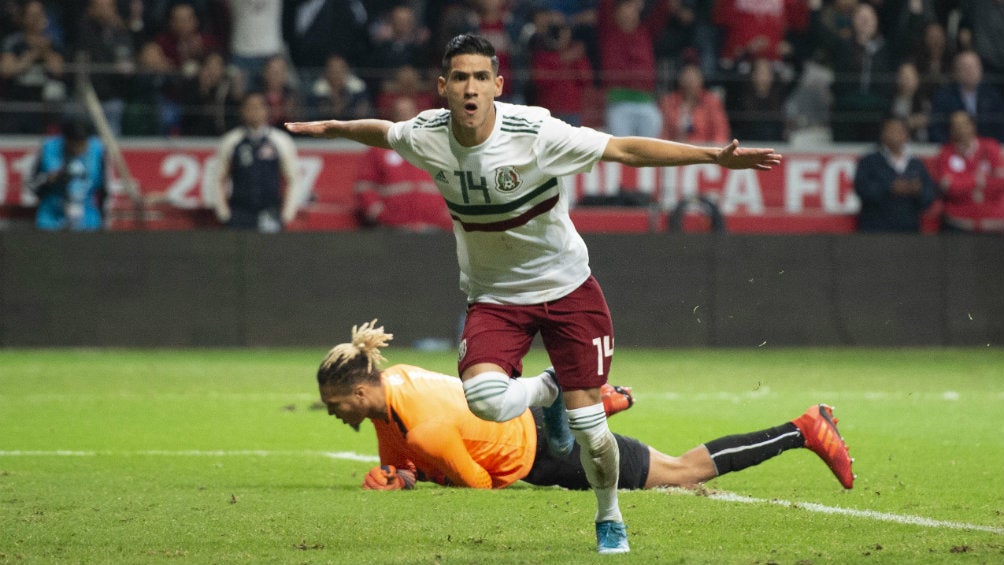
(425, 431)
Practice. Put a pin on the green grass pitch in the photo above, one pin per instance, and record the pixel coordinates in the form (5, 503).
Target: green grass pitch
(210, 456)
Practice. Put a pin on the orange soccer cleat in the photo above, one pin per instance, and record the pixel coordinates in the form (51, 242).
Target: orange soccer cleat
(819, 428)
(616, 398)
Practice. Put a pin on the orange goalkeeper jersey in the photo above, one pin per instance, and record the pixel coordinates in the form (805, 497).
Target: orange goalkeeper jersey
(431, 429)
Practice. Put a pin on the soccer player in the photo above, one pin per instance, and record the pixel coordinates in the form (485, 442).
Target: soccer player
(523, 266)
(426, 432)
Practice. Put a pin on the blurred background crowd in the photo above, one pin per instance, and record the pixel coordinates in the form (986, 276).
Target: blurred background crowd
(688, 70)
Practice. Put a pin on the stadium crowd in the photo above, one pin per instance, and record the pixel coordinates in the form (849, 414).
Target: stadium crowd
(698, 70)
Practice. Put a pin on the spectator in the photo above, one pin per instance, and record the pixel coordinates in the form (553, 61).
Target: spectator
(692, 113)
(863, 68)
(148, 18)
(103, 36)
(144, 18)
(892, 183)
(254, 160)
(899, 16)
(399, 40)
(627, 65)
(69, 180)
(981, 29)
(339, 94)
(808, 106)
(678, 41)
(830, 21)
(256, 36)
(970, 172)
(151, 106)
(317, 29)
(561, 74)
(392, 192)
(967, 91)
(909, 103)
(581, 16)
(757, 29)
(210, 99)
(31, 69)
(407, 82)
(934, 59)
(183, 42)
(281, 93)
(756, 110)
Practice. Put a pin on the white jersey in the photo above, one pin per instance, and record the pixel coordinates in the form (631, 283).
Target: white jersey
(515, 240)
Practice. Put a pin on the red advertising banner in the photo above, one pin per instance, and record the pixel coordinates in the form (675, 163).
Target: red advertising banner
(809, 192)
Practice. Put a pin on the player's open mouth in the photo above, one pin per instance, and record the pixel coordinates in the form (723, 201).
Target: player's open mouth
(471, 107)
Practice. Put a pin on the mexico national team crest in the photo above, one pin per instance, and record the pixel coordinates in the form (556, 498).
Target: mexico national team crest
(462, 350)
(507, 179)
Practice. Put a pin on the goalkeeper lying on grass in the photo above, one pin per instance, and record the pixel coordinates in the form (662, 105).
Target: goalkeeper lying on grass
(425, 431)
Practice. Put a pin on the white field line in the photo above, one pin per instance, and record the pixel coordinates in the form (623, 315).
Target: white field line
(346, 455)
(366, 458)
(867, 514)
(765, 392)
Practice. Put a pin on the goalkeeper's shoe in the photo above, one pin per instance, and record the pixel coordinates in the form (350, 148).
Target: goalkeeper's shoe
(611, 537)
(819, 428)
(616, 398)
(559, 436)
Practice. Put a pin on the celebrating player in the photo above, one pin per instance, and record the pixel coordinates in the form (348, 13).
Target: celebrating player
(425, 432)
(522, 264)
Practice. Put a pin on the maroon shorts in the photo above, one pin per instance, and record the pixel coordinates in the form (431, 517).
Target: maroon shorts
(576, 330)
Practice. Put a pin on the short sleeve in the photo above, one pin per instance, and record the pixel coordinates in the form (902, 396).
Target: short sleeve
(401, 138)
(568, 150)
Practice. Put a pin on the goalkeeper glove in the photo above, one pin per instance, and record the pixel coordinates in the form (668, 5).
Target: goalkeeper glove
(388, 477)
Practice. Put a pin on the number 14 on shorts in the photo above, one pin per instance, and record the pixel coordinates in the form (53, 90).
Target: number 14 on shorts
(604, 348)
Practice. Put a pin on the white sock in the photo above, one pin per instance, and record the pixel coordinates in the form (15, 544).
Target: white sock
(495, 397)
(600, 458)
(542, 390)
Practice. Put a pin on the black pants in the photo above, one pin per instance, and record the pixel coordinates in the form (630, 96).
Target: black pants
(567, 472)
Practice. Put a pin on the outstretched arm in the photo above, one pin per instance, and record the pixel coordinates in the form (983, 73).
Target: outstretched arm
(370, 132)
(651, 152)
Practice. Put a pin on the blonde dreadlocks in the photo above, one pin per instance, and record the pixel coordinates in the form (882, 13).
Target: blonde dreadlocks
(357, 360)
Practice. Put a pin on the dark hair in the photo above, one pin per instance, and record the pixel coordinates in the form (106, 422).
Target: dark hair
(75, 128)
(886, 119)
(347, 373)
(468, 44)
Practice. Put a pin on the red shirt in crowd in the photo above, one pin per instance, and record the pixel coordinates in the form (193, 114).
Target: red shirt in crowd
(391, 192)
(706, 121)
(627, 58)
(755, 28)
(560, 79)
(973, 185)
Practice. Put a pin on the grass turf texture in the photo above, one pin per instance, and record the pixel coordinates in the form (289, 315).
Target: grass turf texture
(217, 457)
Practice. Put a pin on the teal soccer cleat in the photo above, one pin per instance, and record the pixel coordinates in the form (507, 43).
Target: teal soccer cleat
(611, 537)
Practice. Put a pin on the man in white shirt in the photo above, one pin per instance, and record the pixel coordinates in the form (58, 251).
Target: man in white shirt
(522, 264)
